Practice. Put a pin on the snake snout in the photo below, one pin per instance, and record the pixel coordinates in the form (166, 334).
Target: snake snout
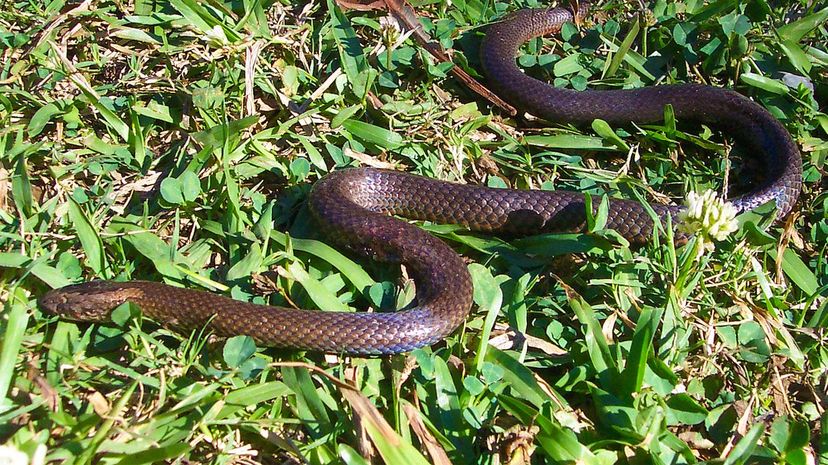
(87, 302)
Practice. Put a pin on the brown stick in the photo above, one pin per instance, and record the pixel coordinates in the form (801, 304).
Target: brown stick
(406, 15)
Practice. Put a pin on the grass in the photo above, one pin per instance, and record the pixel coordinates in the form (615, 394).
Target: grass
(177, 142)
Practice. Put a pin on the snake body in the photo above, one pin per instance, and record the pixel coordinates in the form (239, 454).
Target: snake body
(354, 206)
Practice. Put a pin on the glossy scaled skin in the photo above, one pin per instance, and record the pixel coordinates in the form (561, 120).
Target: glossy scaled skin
(353, 205)
(750, 124)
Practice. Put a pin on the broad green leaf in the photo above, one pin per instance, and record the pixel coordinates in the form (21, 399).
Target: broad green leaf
(795, 31)
(251, 395)
(741, 453)
(154, 110)
(684, 410)
(570, 141)
(17, 317)
(797, 56)
(22, 186)
(190, 186)
(221, 134)
(350, 456)
(604, 130)
(319, 294)
(42, 117)
(619, 55)
(171, 191)
(559, 443)
(642, 344)
(519, 378)
(237, 350)
(798, 272)
(251, 263)
(353, 60)
(309, 406)
(597, 345)
(352, 271)
(300, 168)
(771, 85)
(137, 35)
(88, 237)
(150, 246)
(344, 115)
(391, 447)
(376, 135)
(202, 19)
(568, 65)
(155, 454)
(487, 296)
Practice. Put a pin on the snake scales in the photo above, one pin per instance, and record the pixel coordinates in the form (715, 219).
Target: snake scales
(354, 205)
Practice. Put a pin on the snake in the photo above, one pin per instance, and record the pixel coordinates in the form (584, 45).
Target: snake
(358, 209)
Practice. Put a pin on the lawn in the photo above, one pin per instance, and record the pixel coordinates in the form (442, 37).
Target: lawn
(178, 141)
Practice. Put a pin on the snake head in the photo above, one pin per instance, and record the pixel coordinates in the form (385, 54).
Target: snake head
(92, 301)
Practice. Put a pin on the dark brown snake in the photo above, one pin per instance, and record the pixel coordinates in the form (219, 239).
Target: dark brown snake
(354, 205)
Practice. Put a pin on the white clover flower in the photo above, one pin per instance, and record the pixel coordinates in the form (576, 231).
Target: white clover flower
(216, 36)
(708, 216)
(391, 30)
(13, 456)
